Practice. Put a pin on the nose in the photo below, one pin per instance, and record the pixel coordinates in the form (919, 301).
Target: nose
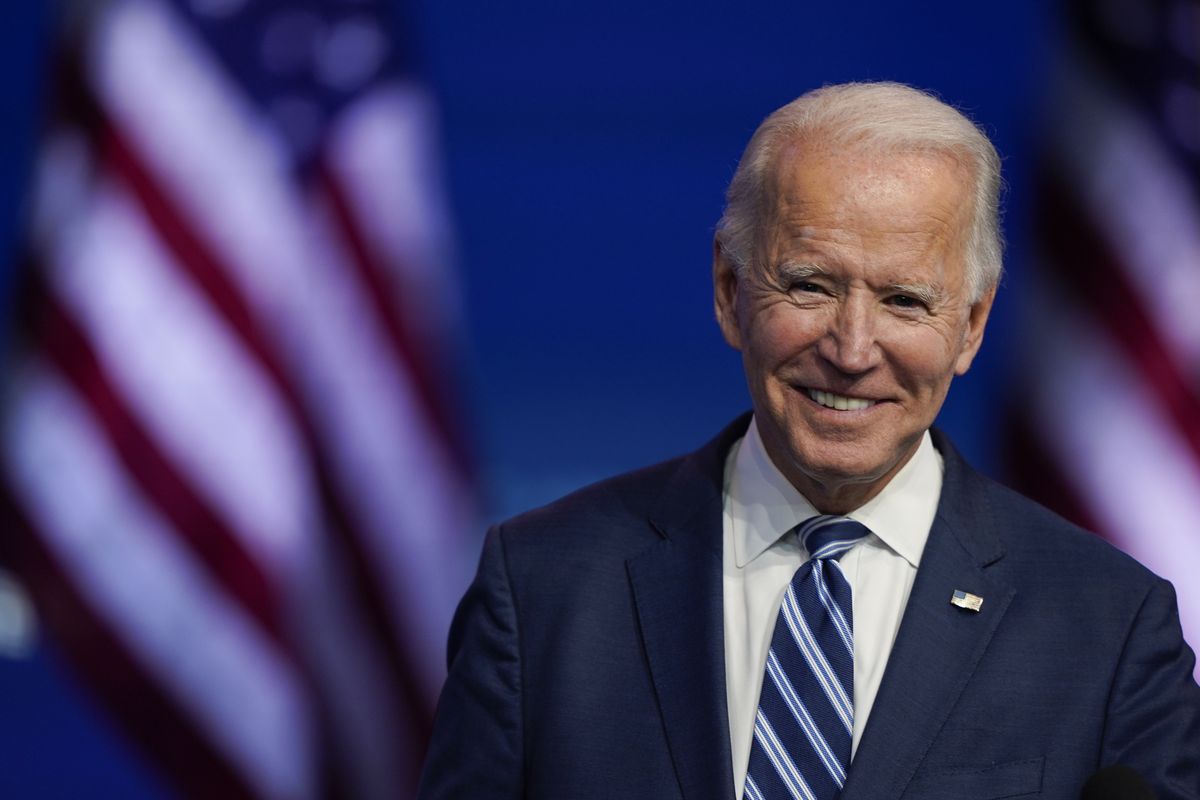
(850, 343)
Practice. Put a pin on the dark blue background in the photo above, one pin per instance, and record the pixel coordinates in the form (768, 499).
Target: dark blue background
(586, 148)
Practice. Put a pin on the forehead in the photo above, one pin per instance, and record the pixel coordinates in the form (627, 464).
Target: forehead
(867, 194)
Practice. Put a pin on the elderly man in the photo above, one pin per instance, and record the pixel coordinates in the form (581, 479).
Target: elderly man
(825, 601)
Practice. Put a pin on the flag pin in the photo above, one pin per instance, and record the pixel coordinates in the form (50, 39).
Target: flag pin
(971, 602)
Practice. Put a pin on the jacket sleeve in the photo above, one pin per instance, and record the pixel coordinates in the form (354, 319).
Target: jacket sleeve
(476, 748)
(1153, 720)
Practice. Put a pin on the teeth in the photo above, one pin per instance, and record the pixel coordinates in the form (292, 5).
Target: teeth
(840, 402)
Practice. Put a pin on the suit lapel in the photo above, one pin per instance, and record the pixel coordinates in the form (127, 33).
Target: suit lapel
(679, 609)
(677, 589)
(938, 645)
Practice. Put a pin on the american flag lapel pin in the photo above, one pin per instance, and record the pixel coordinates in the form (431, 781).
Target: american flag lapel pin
(971, 602)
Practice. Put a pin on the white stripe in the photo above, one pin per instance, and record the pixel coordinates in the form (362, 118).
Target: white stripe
(384, 152)
(805, 720)
(780, 760)
(215, 154)
(136, 575)
(752, 791)
(811, 526)
(1109, 436)
(831, 606)
(835, 547)
(203, 399)
(817, 662)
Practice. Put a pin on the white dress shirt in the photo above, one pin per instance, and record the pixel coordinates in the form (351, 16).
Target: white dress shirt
(759, 561)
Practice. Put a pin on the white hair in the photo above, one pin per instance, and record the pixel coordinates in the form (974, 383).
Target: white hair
(886, 116)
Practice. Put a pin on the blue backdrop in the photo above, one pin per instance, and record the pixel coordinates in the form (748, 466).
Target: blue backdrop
(587, 148)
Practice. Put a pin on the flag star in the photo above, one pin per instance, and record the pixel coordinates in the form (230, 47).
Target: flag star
(290, 40)
(1183, 27)
(1182, 112)
(352, 53)
(300, 118)
(217, 9)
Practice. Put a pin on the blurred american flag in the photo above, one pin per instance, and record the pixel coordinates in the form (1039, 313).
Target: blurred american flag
(233, 478)
(1111, 411)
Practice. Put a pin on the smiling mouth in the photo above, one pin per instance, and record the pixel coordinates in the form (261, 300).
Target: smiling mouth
(837, 401)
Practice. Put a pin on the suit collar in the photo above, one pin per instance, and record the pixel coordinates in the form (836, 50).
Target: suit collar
(763, 505)
(965, 508)
(691, 504)
(689, 510)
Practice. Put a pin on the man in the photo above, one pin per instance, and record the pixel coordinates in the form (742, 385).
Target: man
(669, 634)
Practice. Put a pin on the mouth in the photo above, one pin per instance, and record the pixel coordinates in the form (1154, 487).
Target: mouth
(838, 402)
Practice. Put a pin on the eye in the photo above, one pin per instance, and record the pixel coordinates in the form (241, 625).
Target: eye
(906, 301)
(806, 286)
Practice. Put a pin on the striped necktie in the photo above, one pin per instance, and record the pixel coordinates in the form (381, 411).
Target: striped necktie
(805, 719)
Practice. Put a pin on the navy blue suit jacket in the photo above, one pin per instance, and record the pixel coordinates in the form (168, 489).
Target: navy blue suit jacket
(587, 661)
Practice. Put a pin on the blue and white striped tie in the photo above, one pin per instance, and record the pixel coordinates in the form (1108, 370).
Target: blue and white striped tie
(805, 719)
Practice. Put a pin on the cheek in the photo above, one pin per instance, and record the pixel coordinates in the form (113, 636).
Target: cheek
(780, 333)
(925, 358)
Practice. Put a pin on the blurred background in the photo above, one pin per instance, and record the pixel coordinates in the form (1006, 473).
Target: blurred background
(299, 296)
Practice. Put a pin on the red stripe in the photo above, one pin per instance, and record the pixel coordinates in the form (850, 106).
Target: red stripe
(1092, 273)
(202, 266)
(129, 692)
(190, 253)
(199, 526)
(416, 352)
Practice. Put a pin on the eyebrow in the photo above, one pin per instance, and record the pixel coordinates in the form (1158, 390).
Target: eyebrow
(798, 271)
(929, 295)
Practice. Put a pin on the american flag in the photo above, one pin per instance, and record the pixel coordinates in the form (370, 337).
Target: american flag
(233, 479)
(1111, 385)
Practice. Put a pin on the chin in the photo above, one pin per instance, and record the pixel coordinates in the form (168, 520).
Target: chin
(833, 473)
(834, 464)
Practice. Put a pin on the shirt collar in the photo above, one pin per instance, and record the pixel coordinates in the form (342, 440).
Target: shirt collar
(764, 505)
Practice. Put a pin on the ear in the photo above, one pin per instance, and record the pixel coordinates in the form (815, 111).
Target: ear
(976, 321)
(725, 295)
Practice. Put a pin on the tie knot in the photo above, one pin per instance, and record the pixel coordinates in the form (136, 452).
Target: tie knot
(828, 536)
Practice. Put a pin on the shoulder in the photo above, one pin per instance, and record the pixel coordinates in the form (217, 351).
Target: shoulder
(623, 514)
(1032, 540)
(617, 499)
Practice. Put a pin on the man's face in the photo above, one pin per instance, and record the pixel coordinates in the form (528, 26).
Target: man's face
(854, 315)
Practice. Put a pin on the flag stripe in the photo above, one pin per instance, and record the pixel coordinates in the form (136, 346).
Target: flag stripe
(434, 405)
(207, 535)
(1114, 353)
(1122, 420)
(129, 691)
(1085, 263)
(201, 265)
(233, 684)
(1134, 192)
(365, 407)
